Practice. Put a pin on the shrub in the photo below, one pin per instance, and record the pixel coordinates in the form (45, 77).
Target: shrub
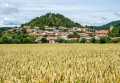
(116, 40)
(108, 40)
(70, 36)
(102, 40)
(83, 40)
(60, 41)
(93, 40)
(43, 40)
(72, 41)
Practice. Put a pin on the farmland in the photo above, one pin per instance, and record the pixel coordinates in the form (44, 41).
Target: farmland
(60, 63)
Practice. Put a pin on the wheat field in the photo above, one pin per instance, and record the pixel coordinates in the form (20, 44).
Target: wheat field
(60, 63)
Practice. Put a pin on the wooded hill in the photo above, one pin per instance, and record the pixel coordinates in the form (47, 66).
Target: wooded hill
(52, 20)
(116, 25)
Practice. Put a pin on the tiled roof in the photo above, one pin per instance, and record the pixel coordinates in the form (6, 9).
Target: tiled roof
(9, 37)
(51, 38)
(73, 38)
(36, 34)
(88, 38)
(89, 32)
(102, 31)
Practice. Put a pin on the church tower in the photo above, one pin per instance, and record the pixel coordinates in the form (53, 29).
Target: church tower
(111, 28)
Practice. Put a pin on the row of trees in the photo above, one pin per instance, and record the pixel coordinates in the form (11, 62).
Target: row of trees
(83, 40)
(102, 40)
(17, 39)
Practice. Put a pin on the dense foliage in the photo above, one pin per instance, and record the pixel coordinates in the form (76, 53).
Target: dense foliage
(17, 37)
(75, 35)
(5, 28)
(116, 24)
(51, 19)
(43, 40)
(102, 40)
(114, 33)
(83, 40)
(93, 40)
(60, 41)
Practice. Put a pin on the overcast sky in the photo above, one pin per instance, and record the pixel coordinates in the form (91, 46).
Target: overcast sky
(85, 12)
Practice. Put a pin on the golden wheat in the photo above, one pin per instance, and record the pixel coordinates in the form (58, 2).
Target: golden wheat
(60, 63)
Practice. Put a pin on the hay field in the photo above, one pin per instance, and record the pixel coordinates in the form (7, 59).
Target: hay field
(60, 63)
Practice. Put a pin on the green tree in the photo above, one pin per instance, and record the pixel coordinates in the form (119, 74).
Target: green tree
(70, 36)
(75, 34)
(24, 30)
(45, 36)
(93, 40)
(32, 38)
(1, 41)
(60, 41)
(26, 40)
(42, 28)
(90, 35)
(83, 40)
(4, 39)
(91, 27)
(119, 32)
(0, 33)
(65, 30)
(18, 32)
(102, 40)
(43, 40)
(108, 39)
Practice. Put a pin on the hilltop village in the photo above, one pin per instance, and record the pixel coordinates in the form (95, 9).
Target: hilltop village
(51, 34)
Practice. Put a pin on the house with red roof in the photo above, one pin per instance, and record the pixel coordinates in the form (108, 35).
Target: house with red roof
(38, 35)
(9, 37)
(102, 33)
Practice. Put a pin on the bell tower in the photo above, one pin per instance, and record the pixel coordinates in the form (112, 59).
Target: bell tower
(111, 28)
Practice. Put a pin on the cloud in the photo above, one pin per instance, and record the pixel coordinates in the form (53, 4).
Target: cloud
(11, 21)
(117, 14)
(7, 8)
(104, 18)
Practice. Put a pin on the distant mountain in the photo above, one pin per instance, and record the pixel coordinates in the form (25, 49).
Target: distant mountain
(116, 25)
(52, 19)
(5, 28)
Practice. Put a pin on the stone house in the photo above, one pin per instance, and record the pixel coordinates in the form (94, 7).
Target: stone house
(51, 39)
(38, 35)
(101, 33)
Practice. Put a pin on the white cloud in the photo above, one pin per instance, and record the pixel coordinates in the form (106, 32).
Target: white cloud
(7, 8)
(11, 21)
(117, 14)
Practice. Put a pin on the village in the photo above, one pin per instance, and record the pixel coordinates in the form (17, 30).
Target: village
(53, 33)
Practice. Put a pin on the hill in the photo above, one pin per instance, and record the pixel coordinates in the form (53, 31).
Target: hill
(116, 25)
(51, 19)
(5, 28)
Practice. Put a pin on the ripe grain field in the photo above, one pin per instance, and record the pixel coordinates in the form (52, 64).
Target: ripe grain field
(60, 63)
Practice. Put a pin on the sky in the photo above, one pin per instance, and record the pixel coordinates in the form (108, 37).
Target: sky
(85, 12)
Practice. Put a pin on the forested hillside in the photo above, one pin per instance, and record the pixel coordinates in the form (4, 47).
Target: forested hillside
(116, 25)
(51, 19)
